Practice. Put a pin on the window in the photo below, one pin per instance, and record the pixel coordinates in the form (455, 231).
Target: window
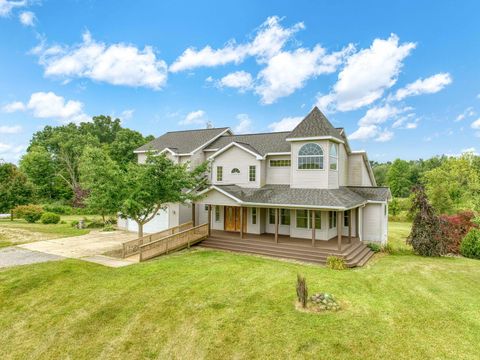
(235, 171)
(217, 213)
(284, 217)
(310, 157)
(252, 173)
(333, 156)
(346, 218)
(254, 216)
(332, 219)
(206, 207)
(219, 173)
(304, 219)
(280, 163)
(271, 216)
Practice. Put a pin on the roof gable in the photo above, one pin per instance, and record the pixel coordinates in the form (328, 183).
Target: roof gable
(315, 124)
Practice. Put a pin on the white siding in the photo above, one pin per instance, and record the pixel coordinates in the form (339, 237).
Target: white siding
(214, 197)
(374, 223)
(343, 165)
(314, 179)
(142, 158)
(232, 158)
(278, 175)
(358, 172)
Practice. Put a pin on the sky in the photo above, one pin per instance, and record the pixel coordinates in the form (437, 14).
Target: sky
(401, 77)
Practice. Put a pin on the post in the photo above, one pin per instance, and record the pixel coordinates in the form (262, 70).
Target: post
(339, 230)
(193, 214)
(350, 226)
(313, 228)
(276, 225)
(209, 219)
(357, 221)
(241, 222)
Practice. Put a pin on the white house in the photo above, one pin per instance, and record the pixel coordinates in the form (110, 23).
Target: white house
(303, 184)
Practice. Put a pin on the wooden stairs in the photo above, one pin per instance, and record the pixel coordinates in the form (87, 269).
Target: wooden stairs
(355, 254)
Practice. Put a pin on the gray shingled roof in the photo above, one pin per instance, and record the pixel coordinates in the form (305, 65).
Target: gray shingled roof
(284, 195)
(260, 143)
(374, 193)
(315, 124)
(182, 141)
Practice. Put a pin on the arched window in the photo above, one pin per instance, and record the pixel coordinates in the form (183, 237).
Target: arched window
(333, 158)
(310, 156)
(235, 171)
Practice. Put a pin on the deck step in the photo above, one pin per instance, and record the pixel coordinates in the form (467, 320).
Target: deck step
(355, 254)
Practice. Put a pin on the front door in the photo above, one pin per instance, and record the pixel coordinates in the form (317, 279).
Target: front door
(233, 220)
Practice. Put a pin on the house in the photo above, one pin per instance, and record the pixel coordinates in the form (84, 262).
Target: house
(304, 186)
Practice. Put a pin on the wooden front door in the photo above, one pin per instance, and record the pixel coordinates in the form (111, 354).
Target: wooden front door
(233, 219)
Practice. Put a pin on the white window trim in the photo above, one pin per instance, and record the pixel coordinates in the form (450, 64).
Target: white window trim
(323, 158)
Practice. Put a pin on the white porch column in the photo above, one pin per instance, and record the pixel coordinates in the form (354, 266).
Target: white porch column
(313, 228)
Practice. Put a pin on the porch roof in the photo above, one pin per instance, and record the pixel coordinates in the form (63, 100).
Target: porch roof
(284, 195)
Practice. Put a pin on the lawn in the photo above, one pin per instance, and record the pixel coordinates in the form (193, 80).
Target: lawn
(19, 231)
(210, 304)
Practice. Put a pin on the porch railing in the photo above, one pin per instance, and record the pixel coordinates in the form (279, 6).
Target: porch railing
(132, 247)
(173, 242)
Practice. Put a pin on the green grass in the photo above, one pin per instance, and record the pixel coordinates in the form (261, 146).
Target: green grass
(209, 304)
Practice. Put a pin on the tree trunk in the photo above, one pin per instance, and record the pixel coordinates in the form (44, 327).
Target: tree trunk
(103, 219)
(11, 215)
(140, 229)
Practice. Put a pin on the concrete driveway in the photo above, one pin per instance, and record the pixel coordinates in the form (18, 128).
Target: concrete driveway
(89, 247)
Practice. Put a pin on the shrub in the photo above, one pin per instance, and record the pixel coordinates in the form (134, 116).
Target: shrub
(374, 247)
(470, 246)
(50, 218)
(93, 224)
(74, 223)
(30, 213)
(387, 249)
(426, 234)
(454, 229)
(108, 227)
(336, 263)
(302, 290)
(58, 209)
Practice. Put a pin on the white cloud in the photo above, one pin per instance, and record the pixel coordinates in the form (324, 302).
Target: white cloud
(380, 114)
(27, 18)
(127, 114)
(11, 153)
(285, 124)
(476, 124)
(365, 132)
(117, 64)
(430, 85)
(287, 71)
(244, 126)
(269, 40)
(10, 129)
(384, 136)
(366, 75)
(6, 6)
(467, 113)
(48, 105)
(241, 80)
(411, 125)
(194, 117)
(13, 107)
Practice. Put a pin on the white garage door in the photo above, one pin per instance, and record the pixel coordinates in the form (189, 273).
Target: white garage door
(158, 223)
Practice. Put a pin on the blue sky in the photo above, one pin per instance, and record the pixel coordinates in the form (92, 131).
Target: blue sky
(402, 77)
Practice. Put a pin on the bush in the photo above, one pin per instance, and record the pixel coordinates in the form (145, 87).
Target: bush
(31, 213)
(302, 290)
(454, 229)
(74, 223)
(336, 263)
(50, 218)
(93, 224)
(374, 247)
(470, 246)
(58, 209)
(108, 227)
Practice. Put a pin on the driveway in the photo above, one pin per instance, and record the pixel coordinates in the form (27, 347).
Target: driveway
(13, 256)
(89, 247)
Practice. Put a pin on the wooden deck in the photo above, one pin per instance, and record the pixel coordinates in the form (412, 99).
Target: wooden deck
(354, 252)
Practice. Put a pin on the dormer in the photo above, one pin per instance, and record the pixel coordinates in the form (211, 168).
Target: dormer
(317, 153)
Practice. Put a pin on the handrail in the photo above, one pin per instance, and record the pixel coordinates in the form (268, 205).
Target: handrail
(173, 242)
(132, 247)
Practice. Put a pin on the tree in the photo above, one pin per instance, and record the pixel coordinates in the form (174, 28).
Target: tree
(39, 167)
(14, 188)
(149, 187)
(101, 177)
(398, 178)
(126, 141)
(426, 234)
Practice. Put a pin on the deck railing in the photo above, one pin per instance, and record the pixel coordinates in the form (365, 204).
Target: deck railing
(132, 247)
(173, 242)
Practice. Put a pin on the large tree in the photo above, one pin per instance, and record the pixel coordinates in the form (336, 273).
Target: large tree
(126, 141)
(398, 178)
(15, 188)
(102, 178)
(149, 187)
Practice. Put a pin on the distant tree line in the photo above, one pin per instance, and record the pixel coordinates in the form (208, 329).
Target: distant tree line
(451, 183)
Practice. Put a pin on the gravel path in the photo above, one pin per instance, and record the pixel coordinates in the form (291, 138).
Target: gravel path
(13, 256)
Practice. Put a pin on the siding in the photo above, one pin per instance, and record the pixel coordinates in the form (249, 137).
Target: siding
(278, 175)
(314, 179)
(235, 157)
(374, 222)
